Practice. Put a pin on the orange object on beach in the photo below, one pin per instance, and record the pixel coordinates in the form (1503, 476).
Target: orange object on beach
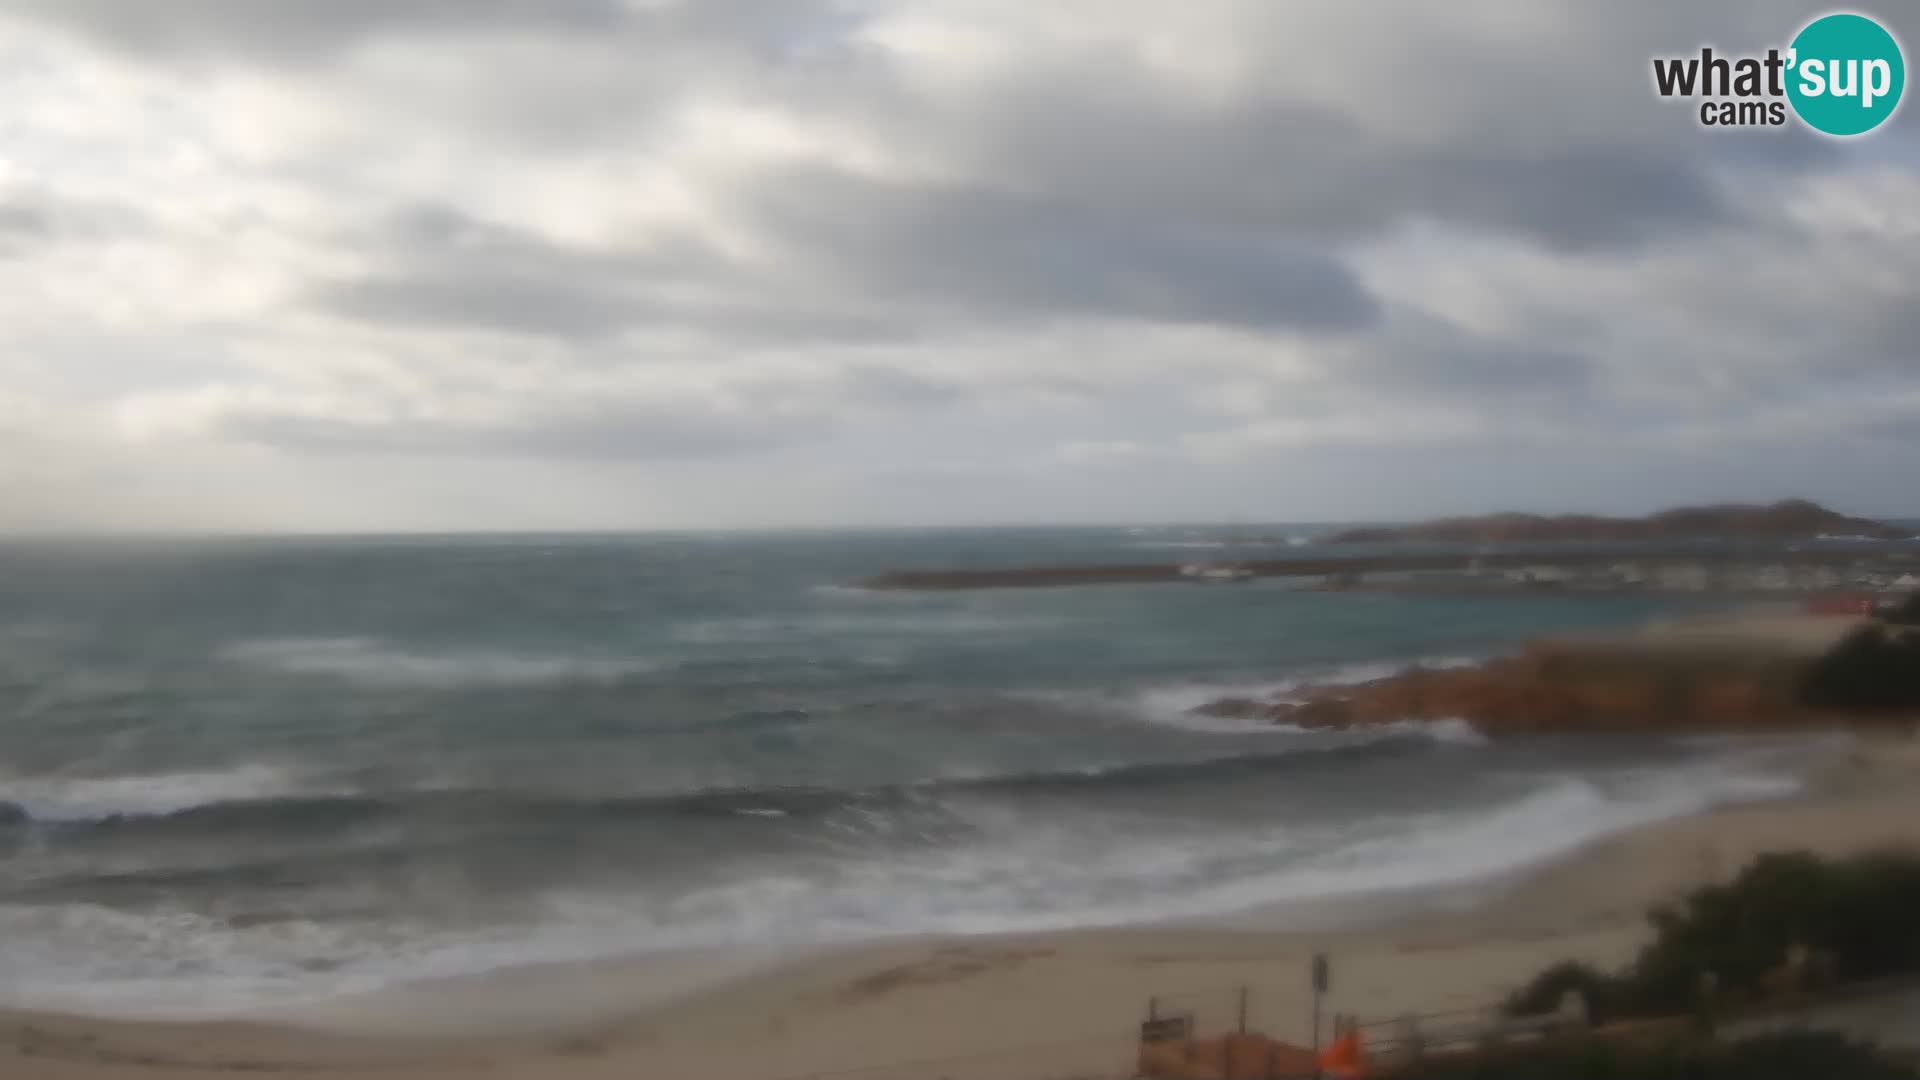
(1345, 1059)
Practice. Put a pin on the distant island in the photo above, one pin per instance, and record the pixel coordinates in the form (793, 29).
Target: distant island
(1789, 519)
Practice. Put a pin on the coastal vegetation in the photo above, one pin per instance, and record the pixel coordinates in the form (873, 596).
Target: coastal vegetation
(1786, 922)
(1904, 613)
(1874, 669)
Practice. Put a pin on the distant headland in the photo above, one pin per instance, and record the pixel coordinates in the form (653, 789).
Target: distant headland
(1465, 553)
(1789, 519)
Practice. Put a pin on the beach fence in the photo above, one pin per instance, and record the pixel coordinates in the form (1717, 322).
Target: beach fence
(1410, 1038)
(1221, 1035)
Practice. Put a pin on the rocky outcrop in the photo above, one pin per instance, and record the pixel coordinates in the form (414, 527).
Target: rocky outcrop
(1570, 688)
(1790, 519)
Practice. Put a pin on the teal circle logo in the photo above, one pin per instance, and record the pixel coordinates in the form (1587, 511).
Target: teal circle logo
(1845, 74)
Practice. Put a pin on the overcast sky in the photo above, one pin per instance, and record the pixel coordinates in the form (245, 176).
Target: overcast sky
(528, 264)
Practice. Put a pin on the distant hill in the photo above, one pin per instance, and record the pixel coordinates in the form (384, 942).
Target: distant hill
(1786, 520)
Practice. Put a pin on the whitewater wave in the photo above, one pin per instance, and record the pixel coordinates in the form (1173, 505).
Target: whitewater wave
(55, 799)
(265, 798)
(1203, 875)
(176, 963)
(376, 663)
(1451, 729)
(845, 590)
(1175, 705)
(777, 629)
(1433, 850)
(1035, 872)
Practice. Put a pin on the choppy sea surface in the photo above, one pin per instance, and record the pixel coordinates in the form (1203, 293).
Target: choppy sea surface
(236, 771)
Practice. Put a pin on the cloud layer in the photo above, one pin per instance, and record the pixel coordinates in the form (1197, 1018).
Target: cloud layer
(283, 264)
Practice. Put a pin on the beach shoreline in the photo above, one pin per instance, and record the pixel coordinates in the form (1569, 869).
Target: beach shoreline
(1059, 1003)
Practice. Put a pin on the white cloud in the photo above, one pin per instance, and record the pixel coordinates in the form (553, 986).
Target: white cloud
(900, 261)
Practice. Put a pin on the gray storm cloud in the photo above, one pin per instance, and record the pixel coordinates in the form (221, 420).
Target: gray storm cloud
(1116, 261)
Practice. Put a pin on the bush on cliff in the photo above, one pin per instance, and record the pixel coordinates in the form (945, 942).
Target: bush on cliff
(1859, 912)
(1869, 670)
(1905, 612)
(1789, 1056)
(1544, 993)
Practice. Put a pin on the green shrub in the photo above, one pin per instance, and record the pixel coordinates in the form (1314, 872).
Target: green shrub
(1860, 911)
(1869, 670)
(1904, 612)
(1792, 1056)
(1543, 994)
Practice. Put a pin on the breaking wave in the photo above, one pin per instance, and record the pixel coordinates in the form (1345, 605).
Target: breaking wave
(52, 799)
(375, 663)
(263, 799)
(1044, 874)
(1175, 705)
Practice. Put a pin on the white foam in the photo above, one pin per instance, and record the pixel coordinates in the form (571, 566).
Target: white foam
(1175, 705)
(843, 590)
(1451, 729)
(1032, 874)
(773, 629)
(372, 662)
(1560, 816)
(1051, 876)
(92, 798)
(1209, 875)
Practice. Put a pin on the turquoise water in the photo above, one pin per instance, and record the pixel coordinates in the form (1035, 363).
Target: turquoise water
(235, 770)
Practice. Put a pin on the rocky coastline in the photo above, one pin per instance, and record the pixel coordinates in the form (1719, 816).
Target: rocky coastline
(1707, 682)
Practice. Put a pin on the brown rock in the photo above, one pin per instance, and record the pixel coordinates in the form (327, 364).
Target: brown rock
(1567, 689)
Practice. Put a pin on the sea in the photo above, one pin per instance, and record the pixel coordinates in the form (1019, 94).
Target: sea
(237, 772)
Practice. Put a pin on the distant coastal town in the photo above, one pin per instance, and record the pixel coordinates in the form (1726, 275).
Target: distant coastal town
(1846, 582)
(1791, 548)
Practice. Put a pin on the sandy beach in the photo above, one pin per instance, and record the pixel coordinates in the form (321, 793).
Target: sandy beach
(1060, 1004)
(912, 540)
